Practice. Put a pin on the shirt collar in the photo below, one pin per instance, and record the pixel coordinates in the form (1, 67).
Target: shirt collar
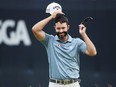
(69, 38)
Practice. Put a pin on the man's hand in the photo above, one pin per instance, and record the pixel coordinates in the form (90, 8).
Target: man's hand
(82, 29)
(55, 13)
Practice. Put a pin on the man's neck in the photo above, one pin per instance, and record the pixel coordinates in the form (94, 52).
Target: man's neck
(64, 39)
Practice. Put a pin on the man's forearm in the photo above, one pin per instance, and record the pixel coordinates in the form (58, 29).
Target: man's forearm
(41, 24)
(90, 46)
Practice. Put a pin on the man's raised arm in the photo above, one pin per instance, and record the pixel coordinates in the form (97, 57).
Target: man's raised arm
(37, 29)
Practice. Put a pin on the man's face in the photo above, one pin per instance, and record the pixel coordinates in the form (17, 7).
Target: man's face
(61, 29)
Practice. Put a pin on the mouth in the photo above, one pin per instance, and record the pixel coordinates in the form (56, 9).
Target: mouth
(61, 35)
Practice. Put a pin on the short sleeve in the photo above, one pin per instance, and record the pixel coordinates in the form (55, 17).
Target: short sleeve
(46, 40)
(82, 46)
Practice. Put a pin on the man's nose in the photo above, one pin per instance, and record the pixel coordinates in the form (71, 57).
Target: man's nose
(60, 30)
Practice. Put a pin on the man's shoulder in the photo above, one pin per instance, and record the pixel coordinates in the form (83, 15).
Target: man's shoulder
(49, 35)
(77, 39)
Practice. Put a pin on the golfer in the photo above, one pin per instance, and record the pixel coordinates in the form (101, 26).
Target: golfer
(63, 50)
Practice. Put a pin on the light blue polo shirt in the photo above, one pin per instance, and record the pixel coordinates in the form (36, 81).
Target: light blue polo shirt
(63, 57)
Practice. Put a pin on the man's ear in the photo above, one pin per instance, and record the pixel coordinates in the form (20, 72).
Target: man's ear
(68, 27)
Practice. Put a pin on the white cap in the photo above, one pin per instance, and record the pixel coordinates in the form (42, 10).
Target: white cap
(53, 7)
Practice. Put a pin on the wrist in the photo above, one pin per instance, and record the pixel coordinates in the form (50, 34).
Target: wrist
(52, 16)
(49, 18)
(83, 33)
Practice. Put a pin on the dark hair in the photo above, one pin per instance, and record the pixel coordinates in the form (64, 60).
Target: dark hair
(61, 18)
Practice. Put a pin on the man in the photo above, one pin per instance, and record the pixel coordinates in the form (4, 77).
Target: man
(63, 50)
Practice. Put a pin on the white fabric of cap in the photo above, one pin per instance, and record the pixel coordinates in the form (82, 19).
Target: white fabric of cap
(53, 7)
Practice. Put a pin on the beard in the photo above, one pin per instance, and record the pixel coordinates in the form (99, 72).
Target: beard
(61, 36)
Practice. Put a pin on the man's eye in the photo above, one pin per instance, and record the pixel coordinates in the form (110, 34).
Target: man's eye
(63, 27)
(58, 28)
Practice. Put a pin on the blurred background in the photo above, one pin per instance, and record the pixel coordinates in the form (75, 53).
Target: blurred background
(23, 60)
